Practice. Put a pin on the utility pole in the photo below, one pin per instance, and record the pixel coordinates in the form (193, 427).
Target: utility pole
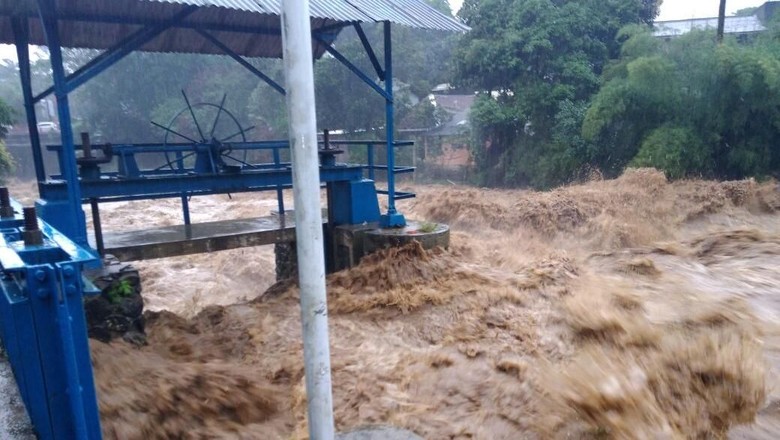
(721, 20)
(299, 77)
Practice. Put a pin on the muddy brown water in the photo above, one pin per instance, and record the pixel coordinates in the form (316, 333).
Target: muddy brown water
(630, 308)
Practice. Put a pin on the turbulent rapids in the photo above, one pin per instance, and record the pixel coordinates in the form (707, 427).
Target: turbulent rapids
(628, 308)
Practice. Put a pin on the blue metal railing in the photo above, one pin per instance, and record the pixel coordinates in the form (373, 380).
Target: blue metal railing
(128, 167)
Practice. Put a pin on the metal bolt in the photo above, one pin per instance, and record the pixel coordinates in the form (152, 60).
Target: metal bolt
(86, 145)
(31, 234)
(42, 293)
(30, 218)
(70, 289)
(6, 210)
(67, 271)
(40, 275)
(5, 198)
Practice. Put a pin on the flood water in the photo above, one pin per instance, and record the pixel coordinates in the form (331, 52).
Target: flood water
(630, 308)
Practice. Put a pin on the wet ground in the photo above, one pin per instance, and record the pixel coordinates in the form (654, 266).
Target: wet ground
(14, 423)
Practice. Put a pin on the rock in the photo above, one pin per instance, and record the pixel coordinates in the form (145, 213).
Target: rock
(118, 310)
(379, 433)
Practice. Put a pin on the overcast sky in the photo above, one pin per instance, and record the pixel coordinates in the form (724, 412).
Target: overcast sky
(670, 10)
(674, 9)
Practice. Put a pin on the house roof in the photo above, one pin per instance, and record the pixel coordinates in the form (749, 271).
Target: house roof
(732, 25)
(248, 27)
(459, 106)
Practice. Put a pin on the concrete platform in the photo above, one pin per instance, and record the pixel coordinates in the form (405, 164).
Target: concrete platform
(429, 235)
(171, 241)
(353, 242)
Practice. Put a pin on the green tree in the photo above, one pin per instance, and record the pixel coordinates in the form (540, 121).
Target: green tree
(6, 118)
(689, 107)
(537, 64)
(6, 121)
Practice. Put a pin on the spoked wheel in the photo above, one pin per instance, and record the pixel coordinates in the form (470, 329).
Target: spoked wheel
(210, 129)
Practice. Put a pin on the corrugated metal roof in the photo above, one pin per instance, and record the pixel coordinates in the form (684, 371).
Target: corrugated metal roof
(731, 25)
(242, 25)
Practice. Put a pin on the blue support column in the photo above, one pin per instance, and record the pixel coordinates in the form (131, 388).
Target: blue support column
(118, 52)
(370, 154)
(392, 219)
(279, 188)
(360, 74)
(21, 30)
(69, 217)
(369, 51)
(185, 209)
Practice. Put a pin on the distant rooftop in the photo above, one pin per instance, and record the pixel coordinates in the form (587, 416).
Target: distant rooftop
(732, 25)
(459, 107)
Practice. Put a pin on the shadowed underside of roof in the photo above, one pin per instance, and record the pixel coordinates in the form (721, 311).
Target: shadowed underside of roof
(248, 27)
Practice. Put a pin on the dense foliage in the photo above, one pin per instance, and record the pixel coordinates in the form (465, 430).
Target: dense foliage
(572, 86)
(690, 107)
(537, 64)
(6, 120)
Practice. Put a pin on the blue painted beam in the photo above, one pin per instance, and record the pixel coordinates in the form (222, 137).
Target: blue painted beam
(360, 74)
(111, 56)
(21, 29)
(392, 218)
(73, 224)
(242, 61)
(43, 323)
(174, 185)
(370, 51)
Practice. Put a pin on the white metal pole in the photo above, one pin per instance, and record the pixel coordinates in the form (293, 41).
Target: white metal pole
(299, 78)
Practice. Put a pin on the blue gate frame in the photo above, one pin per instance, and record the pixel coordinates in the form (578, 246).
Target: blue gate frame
(43, 328)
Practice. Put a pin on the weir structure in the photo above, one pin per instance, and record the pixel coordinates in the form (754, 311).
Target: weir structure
(44, 250)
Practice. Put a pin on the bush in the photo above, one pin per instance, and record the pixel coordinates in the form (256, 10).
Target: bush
(675, 150)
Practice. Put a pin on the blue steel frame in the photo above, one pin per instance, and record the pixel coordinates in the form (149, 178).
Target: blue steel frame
(41, 314)
(73, 222)
(392, 218)
(42, 326)
(21, 32)
(72, 216)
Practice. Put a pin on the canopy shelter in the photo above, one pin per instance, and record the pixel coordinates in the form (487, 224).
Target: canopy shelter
(237, 28)
(247, 27)
(48, 348)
